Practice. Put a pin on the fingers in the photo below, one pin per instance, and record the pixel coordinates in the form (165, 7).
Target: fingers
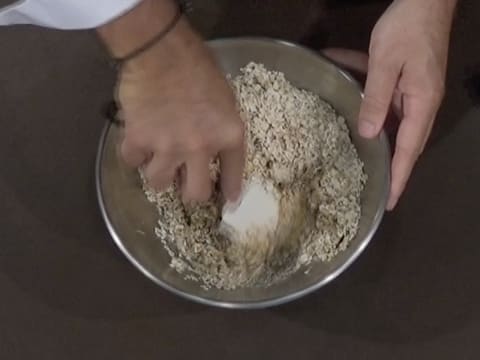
(382, 79)
(133, 155)
(232, 162)
(412, 135)
(196, 184)
(193, 176)
(160, 172)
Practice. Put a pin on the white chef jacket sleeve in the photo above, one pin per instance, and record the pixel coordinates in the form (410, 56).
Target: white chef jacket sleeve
(65, 14)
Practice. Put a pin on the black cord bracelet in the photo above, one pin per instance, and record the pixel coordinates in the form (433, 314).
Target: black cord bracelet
(112, 108)
(183, 7)
(110, 112)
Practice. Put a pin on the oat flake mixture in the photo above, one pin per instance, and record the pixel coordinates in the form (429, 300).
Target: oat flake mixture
(296, 142)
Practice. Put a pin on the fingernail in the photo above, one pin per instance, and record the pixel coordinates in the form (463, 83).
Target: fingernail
(236, 199)
(231, 206)
(367, 129)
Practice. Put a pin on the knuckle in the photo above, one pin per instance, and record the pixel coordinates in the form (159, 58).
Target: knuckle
(197, 144)
(375, 103)
(165, 145)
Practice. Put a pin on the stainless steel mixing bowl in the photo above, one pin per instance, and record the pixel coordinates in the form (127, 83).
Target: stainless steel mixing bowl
(131, 219)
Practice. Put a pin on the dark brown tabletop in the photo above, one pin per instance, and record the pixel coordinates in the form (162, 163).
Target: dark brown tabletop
(68, 293)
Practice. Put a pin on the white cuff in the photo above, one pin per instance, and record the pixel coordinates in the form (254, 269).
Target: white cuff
(65, 14)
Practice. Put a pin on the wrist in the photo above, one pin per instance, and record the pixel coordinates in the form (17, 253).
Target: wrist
(181, 46)
(130, 32)
(135, 28)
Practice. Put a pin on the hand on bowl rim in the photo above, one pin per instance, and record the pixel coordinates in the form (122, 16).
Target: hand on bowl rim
(406, 69)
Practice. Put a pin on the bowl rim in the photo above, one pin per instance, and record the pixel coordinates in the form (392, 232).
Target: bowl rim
(267, 302)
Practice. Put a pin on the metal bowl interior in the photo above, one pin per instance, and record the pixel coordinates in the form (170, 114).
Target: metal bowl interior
(131, 219)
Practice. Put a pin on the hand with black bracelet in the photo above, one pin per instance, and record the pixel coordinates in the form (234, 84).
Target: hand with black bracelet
(178, 110)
